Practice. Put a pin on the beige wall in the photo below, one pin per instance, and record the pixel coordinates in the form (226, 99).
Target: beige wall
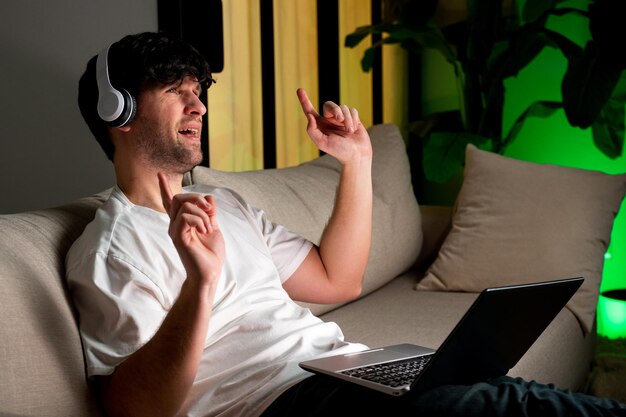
(47, 154)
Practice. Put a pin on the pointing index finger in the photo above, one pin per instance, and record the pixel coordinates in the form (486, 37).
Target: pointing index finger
(305, 102)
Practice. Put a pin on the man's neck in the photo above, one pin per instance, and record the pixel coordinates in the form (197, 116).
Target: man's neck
(141, 186)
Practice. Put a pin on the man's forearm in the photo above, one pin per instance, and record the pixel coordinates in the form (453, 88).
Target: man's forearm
(156, 379)
(345, 244)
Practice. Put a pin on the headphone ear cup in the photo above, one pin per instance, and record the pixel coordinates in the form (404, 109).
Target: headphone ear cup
(129, 111)
(115, 107)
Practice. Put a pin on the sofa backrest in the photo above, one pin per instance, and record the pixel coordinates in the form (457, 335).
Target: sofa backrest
(41, 368)
(302, 199)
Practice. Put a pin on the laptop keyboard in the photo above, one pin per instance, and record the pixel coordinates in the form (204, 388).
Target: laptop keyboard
(393, 374)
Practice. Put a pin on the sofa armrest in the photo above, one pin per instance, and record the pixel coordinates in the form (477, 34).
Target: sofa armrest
(436, 223)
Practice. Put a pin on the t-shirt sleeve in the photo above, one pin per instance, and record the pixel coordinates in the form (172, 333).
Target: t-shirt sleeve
(119, 308)
(287, 248)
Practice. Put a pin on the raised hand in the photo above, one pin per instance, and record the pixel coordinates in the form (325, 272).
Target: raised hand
(195, 232)
(338, 131)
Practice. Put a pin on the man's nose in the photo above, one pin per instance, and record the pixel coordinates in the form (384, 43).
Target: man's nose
(195, 105)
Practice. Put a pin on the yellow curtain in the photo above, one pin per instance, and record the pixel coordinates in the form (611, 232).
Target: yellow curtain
(395, 86)
(234, 103)
(355, 85)
(295, 60)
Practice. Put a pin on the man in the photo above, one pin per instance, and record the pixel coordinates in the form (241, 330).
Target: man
(185, 296)
(149, 313)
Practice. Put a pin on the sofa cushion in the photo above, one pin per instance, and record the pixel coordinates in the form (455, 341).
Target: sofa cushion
(396, 314)
(302, 197)
(42, 361)
(518, 221)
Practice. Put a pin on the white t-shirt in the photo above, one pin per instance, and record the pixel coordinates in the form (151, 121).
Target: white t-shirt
(124, 275)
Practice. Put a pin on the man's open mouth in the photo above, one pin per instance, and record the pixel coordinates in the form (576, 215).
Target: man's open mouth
(190, 132)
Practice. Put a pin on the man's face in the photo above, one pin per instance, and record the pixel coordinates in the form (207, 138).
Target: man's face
(168, 125)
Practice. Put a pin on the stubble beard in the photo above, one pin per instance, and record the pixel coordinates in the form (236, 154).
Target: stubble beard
(170, 156)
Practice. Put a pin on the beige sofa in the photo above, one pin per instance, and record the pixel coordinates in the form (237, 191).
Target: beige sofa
(41, 364)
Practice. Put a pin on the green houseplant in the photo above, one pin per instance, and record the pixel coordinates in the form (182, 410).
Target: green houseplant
(493, 44)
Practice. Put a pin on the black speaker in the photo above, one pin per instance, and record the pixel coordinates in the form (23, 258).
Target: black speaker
(116, 107)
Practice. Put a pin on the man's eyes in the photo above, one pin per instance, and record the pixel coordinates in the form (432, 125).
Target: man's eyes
(177, 90)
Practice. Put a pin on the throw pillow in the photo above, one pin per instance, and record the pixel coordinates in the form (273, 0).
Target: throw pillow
(302, 198)
(517, 222)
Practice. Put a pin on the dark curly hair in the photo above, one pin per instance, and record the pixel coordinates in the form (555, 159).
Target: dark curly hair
(137, 61)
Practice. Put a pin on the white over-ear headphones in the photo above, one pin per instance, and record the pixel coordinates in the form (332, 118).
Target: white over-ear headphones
(116, 107)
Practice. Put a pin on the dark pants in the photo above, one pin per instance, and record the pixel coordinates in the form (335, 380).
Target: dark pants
(504, 396)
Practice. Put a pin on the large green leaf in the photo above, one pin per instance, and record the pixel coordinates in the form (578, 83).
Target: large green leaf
(570, 49)
(587, 85)
(534, 9)
(515, 52)
(370, 53)
(413, 39)
(362, 32)
(619, 93)
(510, 56)
(444, 153)
(427, 36)
(354, 38)
(539, 9)
(432, 37)
(537, 109)
(608, 129)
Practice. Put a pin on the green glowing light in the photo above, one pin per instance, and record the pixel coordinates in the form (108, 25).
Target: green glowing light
(612, 314)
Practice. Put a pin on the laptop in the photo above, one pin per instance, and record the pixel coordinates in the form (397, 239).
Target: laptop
(495, 332)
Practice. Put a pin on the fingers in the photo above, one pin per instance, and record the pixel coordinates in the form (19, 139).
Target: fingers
(345, 116)
(195, 216)
(305, 102)
(188, 210)
(212, 212)
(337, 115)
(355, 118)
